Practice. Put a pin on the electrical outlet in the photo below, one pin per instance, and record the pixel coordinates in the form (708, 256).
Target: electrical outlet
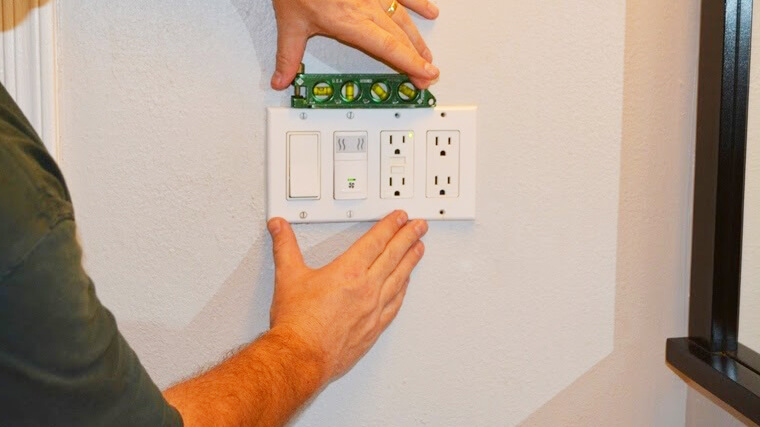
(336, 165)
(442, 173)
(397, 164)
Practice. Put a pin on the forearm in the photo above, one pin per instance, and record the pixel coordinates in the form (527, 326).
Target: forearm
(262, 385)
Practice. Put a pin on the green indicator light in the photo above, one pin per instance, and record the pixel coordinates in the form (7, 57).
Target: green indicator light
(351, 179)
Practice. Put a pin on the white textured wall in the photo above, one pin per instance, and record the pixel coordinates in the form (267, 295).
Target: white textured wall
(551, 309)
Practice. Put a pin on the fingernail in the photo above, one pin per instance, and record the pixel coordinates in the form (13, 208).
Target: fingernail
(402, 219)
(431, 70)
(274, 227)
(277, 79)
(432, 8)
(420, 228)
(420, 249)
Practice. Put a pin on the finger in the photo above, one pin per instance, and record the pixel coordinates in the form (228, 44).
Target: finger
(391, 310)
(425, 8)
(402, 19)
(287, 254)
(291, 45)
(420, 83)
(366, 250)
(400, 275)
(391, 26)
(382, 44)
(388, 24)
(397, 248)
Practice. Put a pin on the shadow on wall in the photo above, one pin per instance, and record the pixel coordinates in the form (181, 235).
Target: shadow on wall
(259, 19)
(14, 12)
(653, 224)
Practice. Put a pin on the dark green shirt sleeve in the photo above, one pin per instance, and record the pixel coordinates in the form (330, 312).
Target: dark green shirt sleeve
(63, 361)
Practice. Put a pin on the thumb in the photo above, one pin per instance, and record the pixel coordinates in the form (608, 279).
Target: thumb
(287, 254)
(291, 46)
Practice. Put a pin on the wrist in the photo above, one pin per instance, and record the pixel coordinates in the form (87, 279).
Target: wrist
(310, 358)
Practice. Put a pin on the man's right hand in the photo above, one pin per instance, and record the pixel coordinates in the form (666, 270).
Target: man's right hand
(364, 24)
(342, 308)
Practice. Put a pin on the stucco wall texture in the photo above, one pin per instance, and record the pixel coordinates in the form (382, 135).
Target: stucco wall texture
(551, 309)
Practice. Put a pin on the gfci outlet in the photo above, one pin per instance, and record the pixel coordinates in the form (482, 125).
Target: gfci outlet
(338, 165)
(397, 164)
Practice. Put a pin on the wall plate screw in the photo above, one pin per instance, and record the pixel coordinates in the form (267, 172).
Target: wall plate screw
(303, 116)
(350, 214)
(350, 115)
(303, 215)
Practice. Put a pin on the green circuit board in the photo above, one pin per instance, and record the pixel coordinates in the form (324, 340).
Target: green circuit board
(358, 91)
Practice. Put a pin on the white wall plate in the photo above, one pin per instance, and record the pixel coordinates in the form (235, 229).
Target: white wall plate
(303, 188)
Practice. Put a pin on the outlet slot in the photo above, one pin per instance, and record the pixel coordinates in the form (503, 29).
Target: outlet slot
(442, 164)
(397, 164)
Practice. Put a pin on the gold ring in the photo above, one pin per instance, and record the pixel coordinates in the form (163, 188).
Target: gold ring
(392, 9)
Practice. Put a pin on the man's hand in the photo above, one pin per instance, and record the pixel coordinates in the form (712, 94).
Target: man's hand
(360, 23)
(342, 308)
(322, 321)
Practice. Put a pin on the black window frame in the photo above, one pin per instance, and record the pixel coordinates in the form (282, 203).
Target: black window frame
(712, 355)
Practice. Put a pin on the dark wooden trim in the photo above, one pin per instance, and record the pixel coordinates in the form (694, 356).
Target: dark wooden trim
(747, 357)
(719, 373)
(706, 167)
(712, 355)
(719, 178)
(731, 164)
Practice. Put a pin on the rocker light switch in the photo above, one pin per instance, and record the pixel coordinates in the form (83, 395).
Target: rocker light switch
(350, 155)
(303, 165)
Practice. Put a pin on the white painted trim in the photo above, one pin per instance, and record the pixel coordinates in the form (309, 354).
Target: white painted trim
(27, 65)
